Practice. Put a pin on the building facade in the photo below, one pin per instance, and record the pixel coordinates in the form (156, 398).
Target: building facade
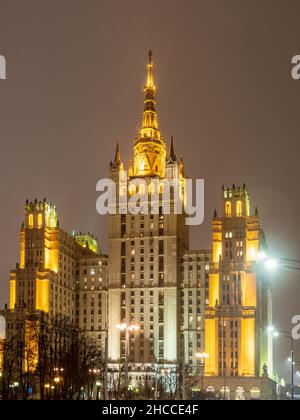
(145, 249)
(181, 302)
(238, 314)
(58, 275)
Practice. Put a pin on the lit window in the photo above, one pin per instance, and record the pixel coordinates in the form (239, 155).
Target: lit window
(40, 220)
(152, 188)
(228, 209)
(239, 208)
(30, 221)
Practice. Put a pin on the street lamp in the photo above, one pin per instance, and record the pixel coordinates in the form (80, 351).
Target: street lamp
(290, 264)
(274, 263)
(127, 328)
(289, 336)
(271, 264)
(202, 357)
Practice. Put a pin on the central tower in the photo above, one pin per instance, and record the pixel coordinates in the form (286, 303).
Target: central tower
(149, 146)
(145, 249)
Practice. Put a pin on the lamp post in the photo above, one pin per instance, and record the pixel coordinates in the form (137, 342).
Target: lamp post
(127, 328)
(289, 336)
(290, 264)
(202, 357)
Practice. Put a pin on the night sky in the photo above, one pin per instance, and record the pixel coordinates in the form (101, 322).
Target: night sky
(75, 74)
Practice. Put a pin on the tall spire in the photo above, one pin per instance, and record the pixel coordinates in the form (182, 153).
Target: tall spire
(149, 145)
(150, 115)
(149, 82)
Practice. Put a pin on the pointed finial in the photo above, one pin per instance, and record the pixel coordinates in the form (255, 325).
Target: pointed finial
(215, 214)
(117, 160)
(172, 155)
(150, 82)
(256, 211)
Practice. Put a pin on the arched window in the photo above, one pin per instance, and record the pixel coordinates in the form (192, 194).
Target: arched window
(30, 221)
(40, 220)
(210, 389)
(152, 188)
(228, 208)
(240, 393)
(255, 393)
(239, 208)
(225, 393)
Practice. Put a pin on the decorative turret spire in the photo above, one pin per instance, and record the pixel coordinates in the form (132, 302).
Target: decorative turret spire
(118, 155)
(172, 156)
(117, 161)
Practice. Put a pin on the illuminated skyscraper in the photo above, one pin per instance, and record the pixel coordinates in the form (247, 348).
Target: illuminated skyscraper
(239, 310)
(145, 249)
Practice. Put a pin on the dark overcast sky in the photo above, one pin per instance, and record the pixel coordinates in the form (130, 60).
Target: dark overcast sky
(75, 72)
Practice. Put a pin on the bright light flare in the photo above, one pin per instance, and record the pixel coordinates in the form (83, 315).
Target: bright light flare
(271, 264)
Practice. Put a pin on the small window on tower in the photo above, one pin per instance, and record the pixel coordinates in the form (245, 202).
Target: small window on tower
(228, 208)
(239, 208)
(40, 220)
(30, 221)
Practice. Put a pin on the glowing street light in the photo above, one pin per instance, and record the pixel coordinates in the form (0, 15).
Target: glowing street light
(202, 357)
(285, 334)
(262, 256)
(127, 328)
(271, 264)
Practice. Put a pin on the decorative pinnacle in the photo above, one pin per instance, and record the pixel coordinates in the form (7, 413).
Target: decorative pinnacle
(172, 155)
(149, 82)
(117, 155)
